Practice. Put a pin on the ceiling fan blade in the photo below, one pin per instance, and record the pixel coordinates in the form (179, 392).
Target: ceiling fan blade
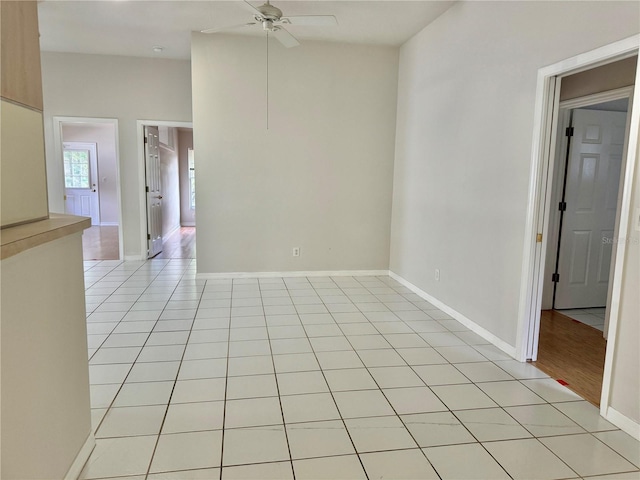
(254, 11)
(230, 27)
(285, 38)
(312, 20)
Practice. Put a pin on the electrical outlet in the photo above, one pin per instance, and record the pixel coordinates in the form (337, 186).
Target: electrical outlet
(296, 251)
(437, 275)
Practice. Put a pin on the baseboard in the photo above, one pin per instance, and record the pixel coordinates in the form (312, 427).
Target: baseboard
(470, 324)
(623, 422)
(109, 224)
(188, 224)
(134, 258)
(81, 458)
(313, 273)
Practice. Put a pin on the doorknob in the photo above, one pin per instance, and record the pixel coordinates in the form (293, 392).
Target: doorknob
(159, 196)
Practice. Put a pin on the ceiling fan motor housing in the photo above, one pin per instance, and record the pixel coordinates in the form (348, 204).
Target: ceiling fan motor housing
(269, 12)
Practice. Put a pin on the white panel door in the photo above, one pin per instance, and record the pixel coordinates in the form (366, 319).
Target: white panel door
(81, 180)
(154, 190)
(591, 197)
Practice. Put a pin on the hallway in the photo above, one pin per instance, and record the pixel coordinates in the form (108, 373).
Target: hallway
(181, 243)
(101, 243)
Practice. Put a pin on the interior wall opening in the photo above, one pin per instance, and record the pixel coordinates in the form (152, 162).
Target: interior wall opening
(169, 166)
(588, 174)
(91, 184)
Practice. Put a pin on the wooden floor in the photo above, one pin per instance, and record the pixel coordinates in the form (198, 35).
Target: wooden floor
(100, 243)
(572, 352)
(179, 244)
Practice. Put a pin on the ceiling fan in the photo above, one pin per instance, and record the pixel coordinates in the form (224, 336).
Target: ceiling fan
(272, 21)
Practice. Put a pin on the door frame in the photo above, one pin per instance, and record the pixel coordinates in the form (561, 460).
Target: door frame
(539, 198)
(142, 176)
(564, 109)
(58, 146)
(93, 151)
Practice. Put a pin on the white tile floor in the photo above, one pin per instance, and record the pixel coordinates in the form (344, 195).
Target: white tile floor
(594, 317)
(318, 378)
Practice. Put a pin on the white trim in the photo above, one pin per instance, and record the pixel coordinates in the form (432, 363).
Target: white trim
(617, 94)
(81, 458)
(623, 422)
(529, 297)
(134, 258)
(187, 224)
(142, 178)
(313, 273)
(57, 145)
(467, 322)
(109, 224)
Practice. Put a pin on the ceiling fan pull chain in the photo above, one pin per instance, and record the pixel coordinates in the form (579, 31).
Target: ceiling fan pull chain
(267, 79)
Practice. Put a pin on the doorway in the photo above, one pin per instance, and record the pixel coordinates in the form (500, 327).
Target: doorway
(81, 195)
(586, 185)
(91, 182)
(590, 146)
(542, 206)
(169, 188)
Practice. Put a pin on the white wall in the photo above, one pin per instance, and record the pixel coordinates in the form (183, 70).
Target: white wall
(465, 120)
(185, 142)
(105, 138)
(125, 88)
(320, 178)
(170, 181)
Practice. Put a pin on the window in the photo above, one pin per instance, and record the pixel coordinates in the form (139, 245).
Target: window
(76, 169)
(192, 181)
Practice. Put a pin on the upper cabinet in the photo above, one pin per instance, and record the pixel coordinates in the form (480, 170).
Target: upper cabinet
(23, 183)
(21, 74)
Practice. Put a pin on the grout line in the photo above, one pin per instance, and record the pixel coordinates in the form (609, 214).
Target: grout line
(315, 354)
(226, 383)
(275, 375)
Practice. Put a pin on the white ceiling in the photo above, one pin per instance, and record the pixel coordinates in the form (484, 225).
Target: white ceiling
(121, 27)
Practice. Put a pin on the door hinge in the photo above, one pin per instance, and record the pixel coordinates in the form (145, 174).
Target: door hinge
(145, 139)
(555, 277)
(147, 189)
(539, 238)
(148, 236)
(562, 206)
(569, 132)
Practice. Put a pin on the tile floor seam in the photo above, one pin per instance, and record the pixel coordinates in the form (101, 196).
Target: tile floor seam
(175, 381)
(397, 415)
(226, 381)
(335, 403)
(97, 428)
(273, 364)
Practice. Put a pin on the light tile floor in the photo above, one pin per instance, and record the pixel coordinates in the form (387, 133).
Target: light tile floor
(594, 317)
(317, 378)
